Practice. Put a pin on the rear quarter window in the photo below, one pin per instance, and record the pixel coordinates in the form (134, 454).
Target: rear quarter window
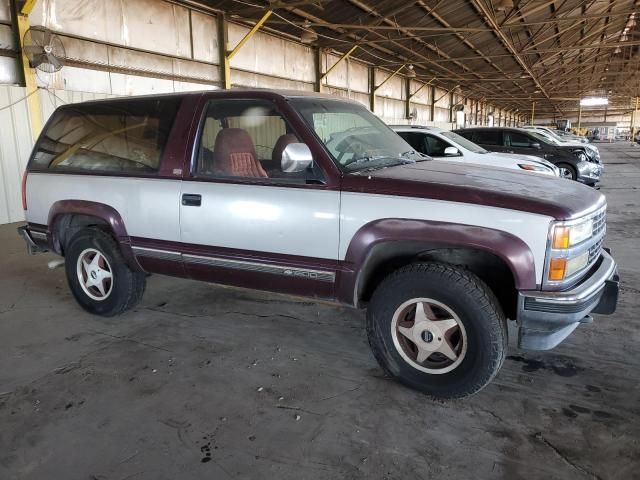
(122, 136)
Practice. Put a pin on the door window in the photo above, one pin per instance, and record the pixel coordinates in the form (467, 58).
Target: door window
(435, 146)
(520, 140)
(416, 140)
(488, 137)
(245, 139)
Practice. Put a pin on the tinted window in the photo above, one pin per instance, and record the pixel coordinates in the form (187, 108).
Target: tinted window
(110, 136)
(435, 146)
(520, 140)
(416, 140)
(244, 139)
(487, 137)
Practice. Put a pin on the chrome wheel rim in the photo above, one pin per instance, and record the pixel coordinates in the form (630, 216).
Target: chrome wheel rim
(565, 173)
(429, 335)
(94, 274)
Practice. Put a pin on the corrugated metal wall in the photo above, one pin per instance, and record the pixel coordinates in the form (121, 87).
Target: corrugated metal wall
(131, 47)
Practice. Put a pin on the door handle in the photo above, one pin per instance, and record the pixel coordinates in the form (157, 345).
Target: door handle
(191, 200)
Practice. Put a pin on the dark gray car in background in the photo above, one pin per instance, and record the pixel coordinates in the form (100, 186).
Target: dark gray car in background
(572, 160)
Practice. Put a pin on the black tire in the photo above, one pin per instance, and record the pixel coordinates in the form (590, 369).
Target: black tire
(476, 308)
(570, 169)
(125, 286)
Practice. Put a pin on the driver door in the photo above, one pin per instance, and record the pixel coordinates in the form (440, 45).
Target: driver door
(243, 220)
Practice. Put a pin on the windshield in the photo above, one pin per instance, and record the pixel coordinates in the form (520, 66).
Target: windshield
(355, 138)
(554, 135)
(543, 137)
(463, 142)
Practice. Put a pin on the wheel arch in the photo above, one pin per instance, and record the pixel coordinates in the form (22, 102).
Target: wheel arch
(386, 245)
(67, 217)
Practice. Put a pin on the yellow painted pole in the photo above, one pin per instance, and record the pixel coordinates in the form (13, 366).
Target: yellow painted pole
(579, 115)
(389, 78)
(230, 54)
(340, 60)
(31, 84)
(533, 111)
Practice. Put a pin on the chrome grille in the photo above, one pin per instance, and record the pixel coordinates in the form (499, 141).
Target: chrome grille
(599, 222)
(594, 251)
(599, 229)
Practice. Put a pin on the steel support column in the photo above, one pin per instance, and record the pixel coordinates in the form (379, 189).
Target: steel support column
(317, 57)
(30, 79)
(225, 70)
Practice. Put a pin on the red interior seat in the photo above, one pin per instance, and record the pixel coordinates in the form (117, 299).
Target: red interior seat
(235, 155)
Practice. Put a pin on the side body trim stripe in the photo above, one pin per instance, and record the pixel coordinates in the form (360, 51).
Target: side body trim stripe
(296, 272)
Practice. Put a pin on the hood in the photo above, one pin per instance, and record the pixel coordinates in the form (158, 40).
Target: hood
(465, 183)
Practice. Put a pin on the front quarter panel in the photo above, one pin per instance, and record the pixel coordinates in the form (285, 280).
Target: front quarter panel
(519, 238)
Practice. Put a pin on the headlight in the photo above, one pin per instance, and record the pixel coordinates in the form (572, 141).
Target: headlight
(533, 168)
(581, 155)
(566, 236)
(568, 253)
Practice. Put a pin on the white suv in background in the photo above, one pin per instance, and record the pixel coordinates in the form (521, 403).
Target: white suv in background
(442, 144)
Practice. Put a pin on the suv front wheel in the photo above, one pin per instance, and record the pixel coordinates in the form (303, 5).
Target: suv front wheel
(99, 278)
(438, 329)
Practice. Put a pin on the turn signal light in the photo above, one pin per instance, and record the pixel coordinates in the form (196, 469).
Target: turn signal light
(557, 269)
(561, 238)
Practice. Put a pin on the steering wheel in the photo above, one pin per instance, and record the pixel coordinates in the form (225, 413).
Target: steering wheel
(356, 147)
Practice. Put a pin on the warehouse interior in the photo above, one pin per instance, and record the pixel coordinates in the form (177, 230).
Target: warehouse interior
(206, 381)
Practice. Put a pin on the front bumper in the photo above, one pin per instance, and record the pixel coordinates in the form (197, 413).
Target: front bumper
(589, 172)
(546, 318)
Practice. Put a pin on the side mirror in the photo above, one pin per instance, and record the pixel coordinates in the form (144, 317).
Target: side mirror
(296, 157)
(536, 145)
(451, 152)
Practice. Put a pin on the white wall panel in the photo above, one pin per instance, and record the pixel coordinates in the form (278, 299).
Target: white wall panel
(424, 95)
(205, 37)
(393, 88)
(5, 10)
(269, 55)
(9, 70)
(255, 80)
(15, 146)
(147, 24)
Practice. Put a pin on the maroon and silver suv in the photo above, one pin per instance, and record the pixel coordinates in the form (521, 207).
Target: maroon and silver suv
(311, 195)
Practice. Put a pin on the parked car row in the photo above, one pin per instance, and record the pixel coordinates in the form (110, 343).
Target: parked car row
(311, 195)
(574, 161)
(530, 149)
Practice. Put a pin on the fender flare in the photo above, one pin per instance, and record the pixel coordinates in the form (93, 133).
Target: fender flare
(425, 235)
(101, 211)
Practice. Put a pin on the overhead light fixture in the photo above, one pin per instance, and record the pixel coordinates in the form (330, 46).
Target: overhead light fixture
(308, 34)
(411, 73)
(617, 50)
(624, 37)
(594, 101)
(632, 23)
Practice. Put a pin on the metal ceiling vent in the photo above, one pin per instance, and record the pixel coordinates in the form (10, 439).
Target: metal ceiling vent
(43, 49)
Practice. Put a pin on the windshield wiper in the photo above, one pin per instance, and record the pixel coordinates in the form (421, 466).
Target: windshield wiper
(422, 156)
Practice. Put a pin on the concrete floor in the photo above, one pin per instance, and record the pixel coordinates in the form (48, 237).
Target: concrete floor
(202, 381)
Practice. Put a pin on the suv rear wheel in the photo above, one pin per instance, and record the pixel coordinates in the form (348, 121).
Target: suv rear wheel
(438, 329)
(99, 278)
